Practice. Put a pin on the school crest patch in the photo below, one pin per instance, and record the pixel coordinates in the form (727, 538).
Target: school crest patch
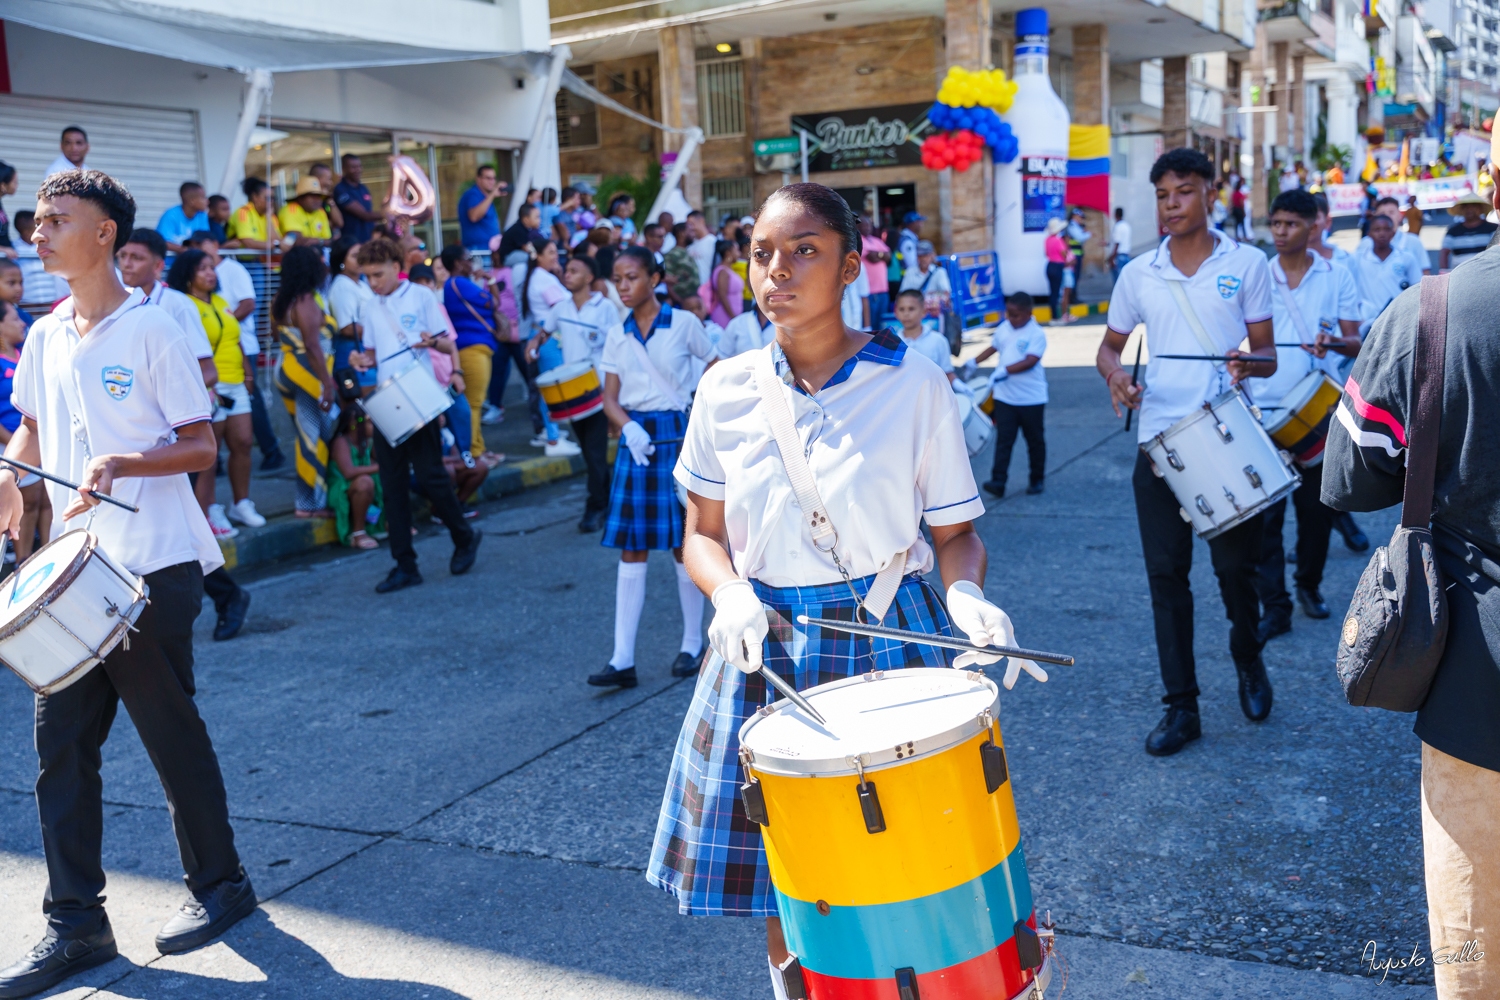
(117, 382)
(1228, 285)
(408, 321)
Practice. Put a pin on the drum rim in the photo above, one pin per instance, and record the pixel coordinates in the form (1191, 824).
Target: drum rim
(1289, 410)
(62, 582)
(1284, 491)
(885, 758)
(1200, 413)
(559, 380)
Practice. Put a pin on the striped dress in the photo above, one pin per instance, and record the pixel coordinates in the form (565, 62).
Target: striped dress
(301, 389)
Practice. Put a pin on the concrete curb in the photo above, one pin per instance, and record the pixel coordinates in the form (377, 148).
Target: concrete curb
(286, 537)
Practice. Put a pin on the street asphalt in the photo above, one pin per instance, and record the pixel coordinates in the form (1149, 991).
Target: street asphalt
(431, 802)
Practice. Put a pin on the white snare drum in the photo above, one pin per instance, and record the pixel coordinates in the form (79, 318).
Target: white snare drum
(978, 428)
(64, 609)
(1221, 465)
(406, 403)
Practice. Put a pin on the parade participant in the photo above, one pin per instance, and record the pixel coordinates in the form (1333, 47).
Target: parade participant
(646, 363)
(1315, 304)
(1382, 270)
(919, 337)
(1315, 241)
(1401, 240)
(1019, 389)
(1225, 295)
(401, 320)
(134, 433)
(746, 332)
(886, 451)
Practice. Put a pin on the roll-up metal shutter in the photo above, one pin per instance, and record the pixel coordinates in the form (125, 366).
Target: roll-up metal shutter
(152, 150)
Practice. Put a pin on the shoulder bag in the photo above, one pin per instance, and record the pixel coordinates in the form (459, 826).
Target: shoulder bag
(1397, 625)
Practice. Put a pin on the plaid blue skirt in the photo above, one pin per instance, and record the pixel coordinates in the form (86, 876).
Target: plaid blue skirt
(643, 508)
(707, 853)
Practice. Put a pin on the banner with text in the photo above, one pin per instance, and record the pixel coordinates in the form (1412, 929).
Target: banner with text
(1439, 192)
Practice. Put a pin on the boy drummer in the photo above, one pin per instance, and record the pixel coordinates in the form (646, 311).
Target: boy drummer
(1227, 289)
(112, 398)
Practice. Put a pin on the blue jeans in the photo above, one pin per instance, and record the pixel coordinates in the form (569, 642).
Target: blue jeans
(548, 357)
(880, 304)
(459, 423)
(1121, 259)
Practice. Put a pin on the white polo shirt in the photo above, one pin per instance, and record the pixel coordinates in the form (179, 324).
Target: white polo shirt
(931, 345)
(125, 387)
(346, 297)
(1325, 295)
(581, 332)
(933, 281)
(1230, 289)
(675, 340)
(236, 286)
(1403, 240)
(885, 445)
(1380, 281)
(746, 332)
(185, 312)
(396, 321)
(1027, 388)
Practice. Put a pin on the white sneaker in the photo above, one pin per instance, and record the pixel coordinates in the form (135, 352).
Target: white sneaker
(540, 441)
(490, 414)
(244, 512)
(218, 523)
(562, 449)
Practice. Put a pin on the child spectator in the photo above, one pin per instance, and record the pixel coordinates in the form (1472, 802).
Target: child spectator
(13, 288)
(37, 517)
(354, 482)
(921, 338)
(1019, 388)
(218, 218)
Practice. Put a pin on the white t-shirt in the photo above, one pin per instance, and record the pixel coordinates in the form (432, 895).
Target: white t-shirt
(1380, 281)
(581, 332)
(884, 443)
(933, 281)
(1403, 240)
(746, 332)
(544, 292)
(852, 306)
(346, 297)
(235, 286)
(676, 339)
(931, 345)
(396, 321)
(1325, 295)
(1026, 388)
(132, 381)
(182, 308)
(702, 252)
(715, 334)
(62, 164)
(1120, 236)
(1231, 289)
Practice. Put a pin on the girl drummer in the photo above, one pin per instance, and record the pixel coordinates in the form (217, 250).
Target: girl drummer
(646, 362)
(885, 447)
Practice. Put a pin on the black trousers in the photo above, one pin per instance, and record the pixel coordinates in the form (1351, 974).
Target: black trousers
(154, 677)
(1314, 528)
(419, 458)
(1028, 420)
(1054, 285)
(220, 588)
(593, 437)
(1167, 543)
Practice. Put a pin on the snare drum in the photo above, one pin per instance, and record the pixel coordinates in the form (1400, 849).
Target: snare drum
(978, 428)
(984, 398)
(902, 875)
(571, 392)
(64, 609)
(1300, 424)
(405, 403)
(1221, 465)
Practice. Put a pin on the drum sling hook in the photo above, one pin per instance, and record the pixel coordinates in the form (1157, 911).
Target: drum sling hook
(992, 757)
(751, 794)
(869, 802)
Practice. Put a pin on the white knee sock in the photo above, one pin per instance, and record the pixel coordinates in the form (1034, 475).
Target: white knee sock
(691, 599)
(630, 598)
(778, 984)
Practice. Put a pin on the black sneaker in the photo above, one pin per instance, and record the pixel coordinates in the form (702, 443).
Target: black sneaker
(593, 521)
(997, 489)
(1354, 538)
(1035, 488)
(273, 462)
(232, 618)
(1313, 605)
(610, 677)
(1272, 625)
(399, 579)
(464, 555)
(686, 665)
(55, 959)
(1178, 728)
(207, 915)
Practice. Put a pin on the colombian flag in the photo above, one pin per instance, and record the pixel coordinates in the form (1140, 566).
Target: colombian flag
(1088, 166)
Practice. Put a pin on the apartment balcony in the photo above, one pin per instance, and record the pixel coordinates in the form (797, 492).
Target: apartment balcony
(1288, 21)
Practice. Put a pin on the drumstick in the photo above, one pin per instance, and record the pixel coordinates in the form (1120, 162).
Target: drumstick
(63, 482)
(791, 694)
(928, 639)
(1252, 358)
(1135, 371)
(574, 322)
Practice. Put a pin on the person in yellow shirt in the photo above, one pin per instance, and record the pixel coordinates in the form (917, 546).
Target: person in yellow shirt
(250, 222)
(304, 215)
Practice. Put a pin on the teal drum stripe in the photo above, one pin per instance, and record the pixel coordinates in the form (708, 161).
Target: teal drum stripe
(926, 934)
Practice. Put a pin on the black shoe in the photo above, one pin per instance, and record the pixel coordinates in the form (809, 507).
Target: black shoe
(232, 618)
(593, 521)
(1255, 690)
(55, 959)
(1353, 536)
(399, 579)
(273, 462)
(1178, 728)
(998, 489)
(686, 665)
(463, 555)
(1034, 489)
(1313, 605)
(1272, 625)
(207, 915)
(610, 677)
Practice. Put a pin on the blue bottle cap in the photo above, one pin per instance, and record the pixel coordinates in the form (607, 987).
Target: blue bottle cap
(1032, 21)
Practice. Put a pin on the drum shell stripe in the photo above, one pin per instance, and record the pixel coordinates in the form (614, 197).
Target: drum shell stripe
(995, 975)
(943, 829)
(586, 405)
(927, 934)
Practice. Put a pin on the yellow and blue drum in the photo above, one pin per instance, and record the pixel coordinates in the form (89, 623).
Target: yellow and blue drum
(892, 840)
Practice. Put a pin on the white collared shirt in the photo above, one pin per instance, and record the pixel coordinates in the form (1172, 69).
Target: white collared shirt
(1026, 388)
(581, 332)
(1230, 290)
(931, 345)
(346, 297)
(182, 308)
(61, 165)
(396, 321)
(130, 383)
(1325, 295)
(1380, 281)
(746, 332)
(1403, 240)
(235, 285)
(885, 445)
(677, 338)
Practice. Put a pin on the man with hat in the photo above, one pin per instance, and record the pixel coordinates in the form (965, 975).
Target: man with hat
(304, 214)
(1470, 235)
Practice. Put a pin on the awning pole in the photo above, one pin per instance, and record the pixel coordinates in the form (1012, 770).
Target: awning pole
(690, 143)
(258, 92)
(546, 113)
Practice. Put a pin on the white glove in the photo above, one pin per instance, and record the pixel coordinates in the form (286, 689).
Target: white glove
(967, 370)
(1001, 374)
(639, 442)
(986, 625)
(739, 625)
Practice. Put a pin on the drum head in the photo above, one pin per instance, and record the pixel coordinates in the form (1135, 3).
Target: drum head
(885, 717)
(49, 568)
(564, 373)
(965, 406)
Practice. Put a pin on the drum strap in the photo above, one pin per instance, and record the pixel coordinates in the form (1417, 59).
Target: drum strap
(1184, 306)
(824, 536)
(1296, 313)
(666, 388)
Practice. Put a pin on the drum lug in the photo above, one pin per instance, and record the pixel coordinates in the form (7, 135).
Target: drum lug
(1028, 946)
(1203, 507)
(1175, 460)
(791, 978)
(906, 985)
(1253, 476)
(1219, 425)
(1185, 515)
(869, 802)
(751, 794)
